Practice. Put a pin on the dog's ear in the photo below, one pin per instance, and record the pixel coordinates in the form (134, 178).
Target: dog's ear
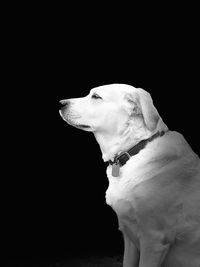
(140, 103)
(149, 112)
(130, 104)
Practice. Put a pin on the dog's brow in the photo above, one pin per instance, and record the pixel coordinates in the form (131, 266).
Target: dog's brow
(92, 91)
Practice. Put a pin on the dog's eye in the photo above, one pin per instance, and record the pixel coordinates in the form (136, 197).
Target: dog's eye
(96, 96)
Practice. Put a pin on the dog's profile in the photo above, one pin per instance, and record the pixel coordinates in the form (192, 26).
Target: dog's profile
(154, 176)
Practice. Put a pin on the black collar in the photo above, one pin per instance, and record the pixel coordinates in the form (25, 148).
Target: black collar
(123, 157)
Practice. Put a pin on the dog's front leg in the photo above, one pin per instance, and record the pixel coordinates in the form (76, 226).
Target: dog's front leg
(131, 253)
(152, 252)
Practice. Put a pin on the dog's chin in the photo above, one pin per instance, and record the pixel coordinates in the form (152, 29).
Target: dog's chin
(80, 126)
(83, 127)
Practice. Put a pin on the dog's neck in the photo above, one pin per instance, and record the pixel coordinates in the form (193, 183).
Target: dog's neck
(112, 145)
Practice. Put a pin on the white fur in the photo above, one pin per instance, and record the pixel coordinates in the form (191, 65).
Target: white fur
(157, 194)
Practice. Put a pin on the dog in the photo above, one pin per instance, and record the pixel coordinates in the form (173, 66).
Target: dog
(154, 176)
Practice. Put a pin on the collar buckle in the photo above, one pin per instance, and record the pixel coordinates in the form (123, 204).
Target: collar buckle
(122, 158)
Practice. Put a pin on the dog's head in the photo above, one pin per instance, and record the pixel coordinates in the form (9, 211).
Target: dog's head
(113, 111)
(109, 108)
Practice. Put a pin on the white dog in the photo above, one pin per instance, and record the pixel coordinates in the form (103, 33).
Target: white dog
(154, 176)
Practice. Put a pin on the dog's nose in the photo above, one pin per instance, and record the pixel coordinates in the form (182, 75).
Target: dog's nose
(64, 102)
(64, 105)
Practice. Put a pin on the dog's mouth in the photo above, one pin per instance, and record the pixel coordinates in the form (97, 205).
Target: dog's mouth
(75, 124)
(83, 127)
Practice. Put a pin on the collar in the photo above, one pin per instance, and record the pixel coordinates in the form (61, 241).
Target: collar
(123, 157)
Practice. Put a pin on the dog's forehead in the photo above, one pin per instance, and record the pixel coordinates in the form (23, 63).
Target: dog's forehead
(114, 90)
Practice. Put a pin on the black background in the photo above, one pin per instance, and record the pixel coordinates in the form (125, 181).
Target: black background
(54, 181)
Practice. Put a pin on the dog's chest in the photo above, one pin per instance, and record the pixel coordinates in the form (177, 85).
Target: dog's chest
(117, 199)
(123, 203)
(119, 196)
(120, 192)
(129, 194)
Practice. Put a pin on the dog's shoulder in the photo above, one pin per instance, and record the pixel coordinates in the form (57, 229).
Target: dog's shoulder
(174, 167)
